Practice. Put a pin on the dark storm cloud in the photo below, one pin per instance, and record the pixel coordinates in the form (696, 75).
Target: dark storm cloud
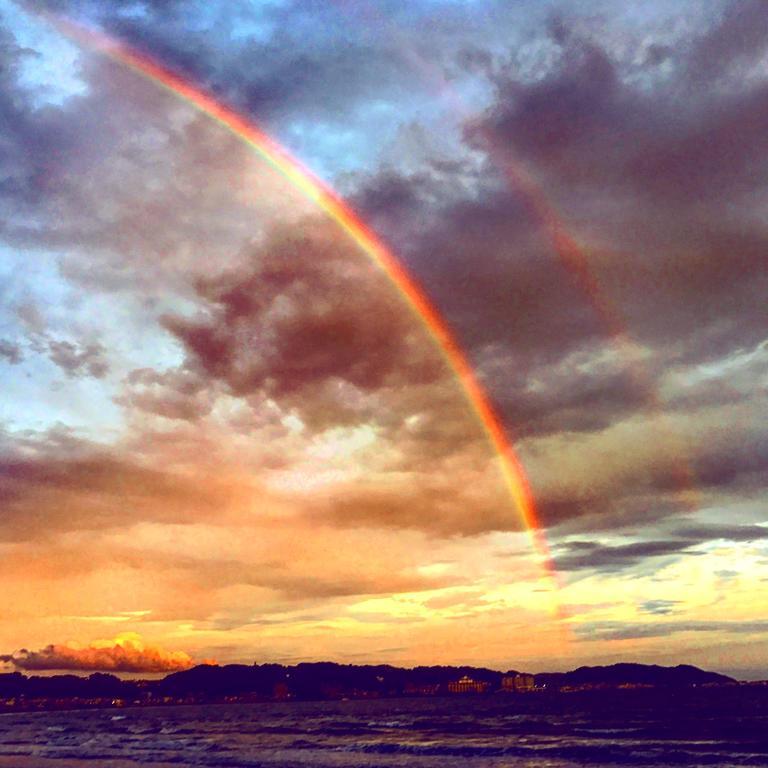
(582, 121)
(577, 555)
(554, 510)
(737, 533)
(739, 38)
(580, 393)
(652, 165)
(643, 487)
(629, 631)
(744, 462)
(307, 310)
(581, 555)
(638, 155)
(495, 278)
(37, 150)
(678, 164)
(22, 181)
(586, 128)
(322, 76)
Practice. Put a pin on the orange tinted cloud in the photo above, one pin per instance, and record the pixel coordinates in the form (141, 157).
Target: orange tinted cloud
(126, 653)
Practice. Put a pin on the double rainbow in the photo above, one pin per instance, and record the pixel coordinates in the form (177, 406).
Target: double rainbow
(328, 201)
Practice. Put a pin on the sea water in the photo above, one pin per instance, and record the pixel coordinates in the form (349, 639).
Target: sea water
(488, 731)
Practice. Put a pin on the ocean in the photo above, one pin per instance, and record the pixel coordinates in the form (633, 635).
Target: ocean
(692, 729)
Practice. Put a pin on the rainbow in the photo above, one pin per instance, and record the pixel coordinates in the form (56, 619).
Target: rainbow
(565, 245)
(328, 201)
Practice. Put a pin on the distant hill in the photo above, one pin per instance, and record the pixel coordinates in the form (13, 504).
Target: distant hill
(317, 680)
(631, 674)
(324, 680)
(327, 679)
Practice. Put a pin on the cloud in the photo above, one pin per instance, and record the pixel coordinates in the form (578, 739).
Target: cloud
(292, 583)
(310, 323)
(713, 532)
(739, 38)
(645, 469)
(597, 136)
(126, 653)
(77, 360)
(659, 607)
(587, 129)
(10, 351)
(93, 490)
(173, 394)
(629, 631)
(307, 67)
(580, 555)
(445, 500)
(586, 555)
(273, 355)
(77, 166)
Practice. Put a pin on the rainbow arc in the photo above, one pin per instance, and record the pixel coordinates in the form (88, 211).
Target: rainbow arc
(313, 188)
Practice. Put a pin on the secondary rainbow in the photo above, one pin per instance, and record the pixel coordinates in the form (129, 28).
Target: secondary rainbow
(571, 255)
(327, 200)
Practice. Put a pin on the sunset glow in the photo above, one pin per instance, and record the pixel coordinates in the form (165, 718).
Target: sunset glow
(313, 188)
(413, 333)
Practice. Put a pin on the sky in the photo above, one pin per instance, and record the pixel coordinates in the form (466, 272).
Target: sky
(226, 435)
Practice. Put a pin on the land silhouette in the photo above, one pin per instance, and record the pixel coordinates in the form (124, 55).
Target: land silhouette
(329, 681)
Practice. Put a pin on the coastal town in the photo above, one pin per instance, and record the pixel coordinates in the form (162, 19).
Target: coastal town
(236, 683)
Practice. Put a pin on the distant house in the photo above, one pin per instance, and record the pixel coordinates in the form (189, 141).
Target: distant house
(468, 685)
(520, 683)
(426, 689)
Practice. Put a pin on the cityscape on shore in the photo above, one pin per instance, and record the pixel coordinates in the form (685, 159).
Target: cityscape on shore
(233, 683)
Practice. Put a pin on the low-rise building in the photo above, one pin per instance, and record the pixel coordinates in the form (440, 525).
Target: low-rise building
(468, 685)
(519, 683)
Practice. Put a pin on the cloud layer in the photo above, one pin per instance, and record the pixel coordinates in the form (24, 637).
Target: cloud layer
(222, 411)
(127, 653)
